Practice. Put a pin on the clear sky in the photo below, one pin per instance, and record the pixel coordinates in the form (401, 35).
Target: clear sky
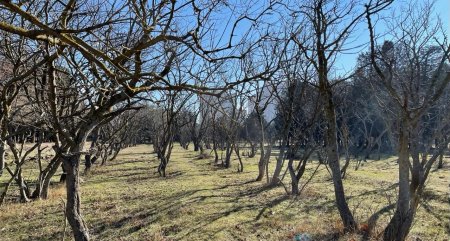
(443, 9)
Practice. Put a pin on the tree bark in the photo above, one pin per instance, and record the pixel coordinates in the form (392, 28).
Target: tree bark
(50, 173)
(241, 164)
(280, 162)
(263, 158)
(441, 161)
(262, 162)
(162, 167)
(294, 181)
(345, 167)
(228, 152)
(216, 155)
(115, 154)
(400, 224)
(333, 159)
(196, 145)
(87, 164)
(23, 188)
(252, 150)
(73, 207)
(2, 156)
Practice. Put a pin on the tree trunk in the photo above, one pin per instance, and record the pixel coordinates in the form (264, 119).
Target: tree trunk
(104, 156)
(63, 176)
(441, 161)
(294, 181)
(228, 152)
(51, 172)
(216, 155)
(116, 153)
(280, 162)
(87, 164)
(73, 206)
(162, 167)
(345, 167)
(400, 223)
(196, 145)
(23, 188)
(252, 150)
(241, 164)
(261, 163)
(333, 160)
(2, 156)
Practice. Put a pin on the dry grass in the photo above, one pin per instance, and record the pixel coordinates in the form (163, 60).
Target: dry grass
(126, 200)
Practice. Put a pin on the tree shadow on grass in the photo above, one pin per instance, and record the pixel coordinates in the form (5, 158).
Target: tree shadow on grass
(174, 207)
(198, 226)
(271, 204)
(372, 221)
(329, 205)
(428, 195)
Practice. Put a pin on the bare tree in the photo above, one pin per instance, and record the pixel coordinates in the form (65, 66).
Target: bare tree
(261, 100)
(320, 38)
(231, 111)
(115, 56)
(164, 127)
(411, 73)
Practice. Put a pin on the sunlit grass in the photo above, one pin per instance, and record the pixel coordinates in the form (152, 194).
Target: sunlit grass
(127, 200)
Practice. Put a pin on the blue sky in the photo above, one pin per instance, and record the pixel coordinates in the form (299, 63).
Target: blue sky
(346, 62)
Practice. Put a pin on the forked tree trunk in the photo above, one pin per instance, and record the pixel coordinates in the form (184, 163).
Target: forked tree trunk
(162, 167)
(48, 176)
(401, 222)
(241, 164)
(196, 145)
(73, 207)
(295, 177)
(216, 155)
(281, 157)
(261, 168)
(228, 152)
(23, 188)
(294, 181)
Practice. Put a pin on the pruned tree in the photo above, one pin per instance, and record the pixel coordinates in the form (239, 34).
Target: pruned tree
(114, 57)
(230, 120)
(165, 124)
(261, 100)
(321, 37)
(411, 74)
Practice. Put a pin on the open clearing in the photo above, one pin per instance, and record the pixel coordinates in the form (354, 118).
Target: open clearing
(127, 200)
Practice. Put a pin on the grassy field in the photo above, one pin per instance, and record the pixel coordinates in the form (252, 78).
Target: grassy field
(127, 200)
